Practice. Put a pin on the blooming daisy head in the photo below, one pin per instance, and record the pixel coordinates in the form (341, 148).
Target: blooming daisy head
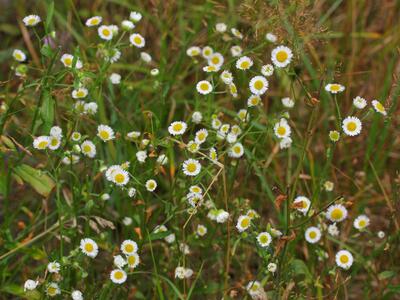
(267, 70)
(359, 102)
(53, 267)
(88, 149)
(30, 285)
(236, 150)
(361, 222)
(77, 295)
(207, 51)
(193, 51)
(264, 239)
(133, 260)
(41, 142)
(236, 51)
(193, 147)
(118, 276)
(93, 21)
(177, 128)
(79, 93)
(137, 40)
(333, 230)
(216, 59)
(89, 247)
(68, 61)
(226, 77)
(253, 100)
(31, 20)
(244, 63)
(212, 154)
(105, 32)
(128, 247)
(119, 261)
(351, 126)
(19, 55)
(55, 142)
(201, 136)
(379, 107)
(243, 223)
(52, 289)
(258, 85)
(191, 167)
(282, 129)
(204, 87)
(328, 185)
(120, 176)
(281, 56)
(201, 230)
(233, 90)
(254, 288)
(334, 88)
(151, 185)
(334, 135)
(313, 235)
(105, 133)
(336, 213)
(344, 259)
(302, 204)
(237, 33)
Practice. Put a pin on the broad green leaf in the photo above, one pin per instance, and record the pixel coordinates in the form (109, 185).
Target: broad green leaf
(41, 182)
(47, 110)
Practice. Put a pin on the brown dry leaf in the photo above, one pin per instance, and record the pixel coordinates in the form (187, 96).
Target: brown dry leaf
(279, 200)
(138, 232)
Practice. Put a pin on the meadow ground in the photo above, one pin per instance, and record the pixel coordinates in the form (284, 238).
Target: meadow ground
(199, 149)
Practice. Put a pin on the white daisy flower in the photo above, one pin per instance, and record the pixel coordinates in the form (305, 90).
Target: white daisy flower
(79, 93)
(243, 115)
(267, 70)
(135, 16)
(141, 156)
(253, 100)
(197, 117)
(258, 85)
(221, 27)
(212, 154)
(77, 295)
(88, 149)
(226, 77)
(236, 51)
(41, 142)
(55, 142)
(264, 239)
(120, 176)
(359, 102)
(56, 131)
(127, 25)
(216, 59)
(204, 87)
(201, 230)
(216, 123)
(244, 63)
(89, 247)
(191, 167)
(31, 20)
(222, 216)
(19, 55)
(336, 213)
(235, 129)
(193, 51)
(115, 78)
(90, 108)
(119, 261)
(243, 223)
(118, 276)
(287, 102)
(137, 40)
(237, 33)
(271, 37)
(282, 129)
(210, 69)
(352, 126)
(128, 247)
(255, 289)
(233, 90)
(334, 88)
(105, 32)
(328, 185)
(231, 138)
(281, 56)
(344, 259)
(105, 133)
(127, 220)
(177, 128)
(30, 285)
(381, 234)
(68, 59)
(236, 150)
(333, 230)
(151, 185)
(272, 267)
(302, 204)
(207, 51)
(193, 147)
(334, 135)
(53, 267)
(201, 136)
(53, 289)
(379, 107)
(313, 235)
(285, 143)
(93, 21)
(133, 260)
(361, 222)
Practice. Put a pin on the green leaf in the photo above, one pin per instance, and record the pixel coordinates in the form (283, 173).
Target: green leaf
(41, 182)
(46, 51)
(300, 268)
(50, 13)
(47, 110)
(386, 274)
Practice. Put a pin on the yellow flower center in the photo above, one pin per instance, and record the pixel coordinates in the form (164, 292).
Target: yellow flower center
(86, 148)
(362, 223)
(215, 60)
(119, 178)
(177, 127)
(335, 87)
(131, 260)
(31, 21)
(344, 259)
(201, 136)
(204, 86)
(281, 56)
(104, 134)
(54, 142)
(236, 149)
(94, 21)
(80, 94)
(106, 32)
(51, 291)
(264, 239)
(245, 222)
(118, 275)
(88, 247)
(68, 61)
(191, 167)
(258, 84)
(351, 126)
(281, 130)
(313, 234)
(245, 65)
(18, 56)
(129, 248)
(233, 89)
(150, 185)
(42, 144)
(336, 214)
(379, 106)
(137, 40)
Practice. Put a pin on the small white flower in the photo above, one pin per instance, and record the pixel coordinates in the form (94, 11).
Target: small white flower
(154, 72)
(31, 20)
(193, 51)
(201, 230)
(287, 102)
(359, 102)
(30, 285)
(137, 40)
(313, 235)
(334, 88)
(180, 272)
(19, 55)
(255, 290)
(119, 261)
(264, 239)
(352, 126)
(127, 221)
(271, 37)
(344, 259)
(222, 216)
(93, 21)
(77, 295)
(236, 150)
(191, 167)
(302, 204)
(41, 142)
(201, 136)
(127, 25)
(177, 128)
(135, 16)
(141, 156)
(236, 51)
(253, 100)
(197, 117)
(226, 77)
(105, 133)
(145, 57)
(128, 247)
(243, 223)
(105, 32)
(272, 267)
(204, 87)
(68, 60)
(333, 230)
(381, 234)
(220, 27)
(361, 222)
(216, 59)
(244, 63)
(89, 247)
(281, 56)
(162, 159)
(379, 107)
(267, 70)
(285, 143)
(258, 85)
(115, 78)
(282, 129)
(207, 51)
(90, 108)
(133, 260)
(53, 267)
(53, 289)
(237, 33)
(336, 213)
(79, 93)
(328, 185)
(118, 276)
(151, 185)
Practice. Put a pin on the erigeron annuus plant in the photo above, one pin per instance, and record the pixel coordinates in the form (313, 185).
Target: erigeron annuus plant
(186, 180)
